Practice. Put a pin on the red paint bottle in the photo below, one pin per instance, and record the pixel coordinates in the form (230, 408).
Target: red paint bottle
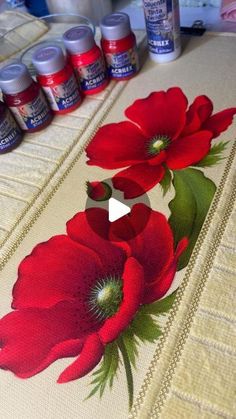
(119, 46)
(86, 58)
(24, 98)
(57, 79)
(10, 133)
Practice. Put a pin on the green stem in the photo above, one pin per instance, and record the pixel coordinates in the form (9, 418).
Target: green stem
(128, 371)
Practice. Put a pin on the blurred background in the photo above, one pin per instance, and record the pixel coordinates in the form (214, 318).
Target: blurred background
(208, 11)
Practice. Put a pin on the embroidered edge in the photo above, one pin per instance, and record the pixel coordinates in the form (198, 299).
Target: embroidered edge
(155, 411)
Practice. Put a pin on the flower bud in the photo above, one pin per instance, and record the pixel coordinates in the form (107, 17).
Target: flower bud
(99, 191)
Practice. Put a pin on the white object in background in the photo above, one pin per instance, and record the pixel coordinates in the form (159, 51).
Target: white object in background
(94, 9)
(163, 29)
(117, 209)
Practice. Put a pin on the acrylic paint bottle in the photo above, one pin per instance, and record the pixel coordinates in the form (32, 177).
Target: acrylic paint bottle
(10, 132)
(119, 46)
(24, 97)
(57, 79)
(86, 59)
(163, 29)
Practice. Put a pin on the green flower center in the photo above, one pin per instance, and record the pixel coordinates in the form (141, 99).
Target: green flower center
(105, 297)
(157, 144)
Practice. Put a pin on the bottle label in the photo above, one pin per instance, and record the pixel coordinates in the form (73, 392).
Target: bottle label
(10, 133)
(92, 75)
(162, 23)
(64, 95)
(122, 64)
(32, 114)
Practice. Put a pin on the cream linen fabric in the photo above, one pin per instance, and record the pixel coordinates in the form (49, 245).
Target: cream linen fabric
(24, 29)
(189, 373)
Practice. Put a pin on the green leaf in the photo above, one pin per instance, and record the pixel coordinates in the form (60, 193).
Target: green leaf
(107, 370)
(145, 328)
(128, 370)
(193, 195)
(160, 306)
(102, 388)
(131, 345)
(95, 389)
(214, 155)
(165, 183)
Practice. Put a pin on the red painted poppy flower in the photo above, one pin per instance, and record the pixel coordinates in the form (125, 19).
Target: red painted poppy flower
(162, 133)
(78, 292)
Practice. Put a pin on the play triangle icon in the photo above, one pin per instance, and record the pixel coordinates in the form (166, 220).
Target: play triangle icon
(117, 209)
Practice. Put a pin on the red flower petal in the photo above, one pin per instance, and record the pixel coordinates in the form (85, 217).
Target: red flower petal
(59, 269)
(154, 246)
(117, 145)
(160, 286)
(155, 256)
(200, 110)
(157, 159)
(160, 113)
(31, 339)
(79, 229)
(188, 150)
(138, 179)
(133, 288)
(90, 356)
(220, 121)
(67, 349)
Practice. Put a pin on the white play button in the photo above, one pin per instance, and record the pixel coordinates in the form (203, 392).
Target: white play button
(117, 209)
(107, 210)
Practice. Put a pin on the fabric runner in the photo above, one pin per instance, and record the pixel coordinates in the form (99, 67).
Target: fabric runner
(175, 355)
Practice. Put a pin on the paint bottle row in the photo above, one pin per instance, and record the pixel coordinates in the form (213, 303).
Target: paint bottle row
(62, 81)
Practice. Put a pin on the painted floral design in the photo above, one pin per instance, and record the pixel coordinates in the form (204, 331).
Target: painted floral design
(77, 293)
(163, 134)
(97, 296)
